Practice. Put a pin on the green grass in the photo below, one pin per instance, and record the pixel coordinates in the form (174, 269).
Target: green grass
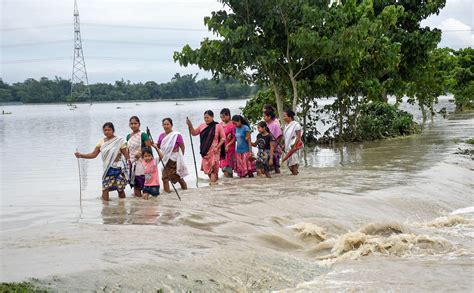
(470, 140)
(23, 287)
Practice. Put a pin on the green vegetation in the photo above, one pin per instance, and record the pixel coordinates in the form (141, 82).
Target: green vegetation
(180, 87)
(470, 140)
(23, 287)
(463, 73)
(357, 52)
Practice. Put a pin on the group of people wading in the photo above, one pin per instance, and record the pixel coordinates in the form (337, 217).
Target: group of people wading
(225, 146)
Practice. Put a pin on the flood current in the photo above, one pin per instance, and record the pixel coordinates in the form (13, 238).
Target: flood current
(393, 215)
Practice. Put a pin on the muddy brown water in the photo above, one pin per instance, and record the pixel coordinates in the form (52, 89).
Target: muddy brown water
(394, 215)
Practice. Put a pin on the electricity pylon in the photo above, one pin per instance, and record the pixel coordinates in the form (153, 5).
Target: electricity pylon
(79, 82)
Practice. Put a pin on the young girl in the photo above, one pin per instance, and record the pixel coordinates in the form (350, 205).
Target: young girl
(245, 165)
(265, 144)
(112, 148)
(228, 164)
(150, 167)
(135, 142)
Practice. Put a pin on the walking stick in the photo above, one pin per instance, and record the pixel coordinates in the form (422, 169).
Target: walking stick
(163, 164)
(194, 157)
(80, 181)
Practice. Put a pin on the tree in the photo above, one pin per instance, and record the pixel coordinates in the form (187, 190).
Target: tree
(463, 74)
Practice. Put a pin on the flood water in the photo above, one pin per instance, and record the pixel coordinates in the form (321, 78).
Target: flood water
(394, 215)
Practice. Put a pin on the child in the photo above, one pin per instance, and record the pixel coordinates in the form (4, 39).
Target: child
(150, 167)
(265, 144)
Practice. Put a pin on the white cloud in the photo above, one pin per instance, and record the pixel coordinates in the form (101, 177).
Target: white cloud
(456, 34)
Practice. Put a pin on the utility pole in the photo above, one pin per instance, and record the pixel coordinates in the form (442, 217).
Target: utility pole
(79, 81)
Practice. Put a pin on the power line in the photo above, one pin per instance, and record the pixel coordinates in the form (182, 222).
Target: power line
(163, 28)
(133, 43)
(102, 58)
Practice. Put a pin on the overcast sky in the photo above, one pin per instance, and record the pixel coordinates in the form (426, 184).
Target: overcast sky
(132, 39)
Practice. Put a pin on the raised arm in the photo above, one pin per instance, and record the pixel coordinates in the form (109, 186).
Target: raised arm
(91, 155)
(193, 131)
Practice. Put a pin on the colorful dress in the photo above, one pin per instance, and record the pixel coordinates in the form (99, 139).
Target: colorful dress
(244, 165)
(210, 136)
(263, 155)
(135, 143)
(152, 183)
(175, 168)
(228, 164)
(275, 129)
(113, 177)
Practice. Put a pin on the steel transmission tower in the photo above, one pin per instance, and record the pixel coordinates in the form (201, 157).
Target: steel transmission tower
(79, 82)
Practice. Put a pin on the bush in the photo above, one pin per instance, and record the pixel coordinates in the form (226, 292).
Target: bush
(380, 120)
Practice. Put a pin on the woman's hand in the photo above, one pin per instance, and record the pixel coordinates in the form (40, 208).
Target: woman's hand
(188, 122)
(226, 148)
(270, 162)
(78, 155)
(138, 155)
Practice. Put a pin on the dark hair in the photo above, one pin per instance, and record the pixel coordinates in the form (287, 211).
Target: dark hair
(169, 120)
(268, 107)
(270, 114)
(109, 125)
(135, 118)
(241, 119)
(263, 124)
(147, 150)
(225, 112)
(209, 112)
(290, 114)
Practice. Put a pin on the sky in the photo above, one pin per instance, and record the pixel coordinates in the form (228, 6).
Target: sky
(135, 39)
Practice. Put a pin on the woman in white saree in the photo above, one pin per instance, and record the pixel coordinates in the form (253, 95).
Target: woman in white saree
(293, 143)
(111, 148)
(171, 143)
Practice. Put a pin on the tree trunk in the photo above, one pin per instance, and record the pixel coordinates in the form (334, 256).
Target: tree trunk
(294, 85)
(278, 98)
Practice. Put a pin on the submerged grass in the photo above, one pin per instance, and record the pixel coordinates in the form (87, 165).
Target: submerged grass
(23, 287)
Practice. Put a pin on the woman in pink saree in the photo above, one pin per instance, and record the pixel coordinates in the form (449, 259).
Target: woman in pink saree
(212, 144)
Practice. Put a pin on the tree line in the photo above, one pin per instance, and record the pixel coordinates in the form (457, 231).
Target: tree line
(356, 52)
(187, 86)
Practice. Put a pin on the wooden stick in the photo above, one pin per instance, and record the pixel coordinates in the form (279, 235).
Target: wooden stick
(194, 156)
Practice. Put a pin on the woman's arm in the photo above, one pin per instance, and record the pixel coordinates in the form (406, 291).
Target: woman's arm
(124, 152)
(193, 131)
(298, 136)
(272, 149)
(92, 155)
(182, 147)
(221, 132)
(249, 139)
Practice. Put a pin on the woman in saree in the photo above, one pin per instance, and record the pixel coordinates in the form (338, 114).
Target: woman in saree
(292, 135)
(135, 142)
(111, 148)
(275, 129)
(171, 143)
(212, 144)
(228, 163)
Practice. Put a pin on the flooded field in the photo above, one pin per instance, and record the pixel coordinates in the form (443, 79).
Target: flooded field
(394, 215)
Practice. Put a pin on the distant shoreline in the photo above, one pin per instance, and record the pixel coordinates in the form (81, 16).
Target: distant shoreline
(128, 101)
